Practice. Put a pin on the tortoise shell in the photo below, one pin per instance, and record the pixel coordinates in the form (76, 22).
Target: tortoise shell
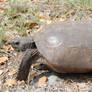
(67, 46)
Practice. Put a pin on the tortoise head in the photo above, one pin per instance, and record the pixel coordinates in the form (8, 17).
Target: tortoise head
(22, 43)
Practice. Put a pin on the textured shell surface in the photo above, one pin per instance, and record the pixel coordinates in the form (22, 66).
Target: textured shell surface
(67, 46)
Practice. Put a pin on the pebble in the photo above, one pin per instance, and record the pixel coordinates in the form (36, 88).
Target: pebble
(68, 89)
(54, 80)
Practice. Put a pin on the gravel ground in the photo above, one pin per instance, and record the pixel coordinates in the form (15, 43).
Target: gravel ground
(54, 82)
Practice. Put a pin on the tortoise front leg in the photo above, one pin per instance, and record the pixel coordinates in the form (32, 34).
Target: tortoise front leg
(26, 62)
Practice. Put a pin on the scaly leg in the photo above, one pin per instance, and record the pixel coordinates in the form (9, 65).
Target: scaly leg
(26, 62)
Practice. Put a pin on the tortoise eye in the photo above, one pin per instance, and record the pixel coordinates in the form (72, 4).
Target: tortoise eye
(17, 43)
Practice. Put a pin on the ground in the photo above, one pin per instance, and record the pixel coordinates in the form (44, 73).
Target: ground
(23, 18)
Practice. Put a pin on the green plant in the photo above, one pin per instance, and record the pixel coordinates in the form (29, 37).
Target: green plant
(1, 36)
(17, 6)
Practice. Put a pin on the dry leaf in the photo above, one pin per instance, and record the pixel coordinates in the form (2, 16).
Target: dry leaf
(36, 1)
(42, 20)
(1, 71)
(41, 15)
(2, 0)
(9, 25)
(31, 25)
(11, 82)
(3, 60)
(42, 80)
(6, 47)
(62, 19)
(69, 12)
(12, 73)
(48, 21)
(11, 48)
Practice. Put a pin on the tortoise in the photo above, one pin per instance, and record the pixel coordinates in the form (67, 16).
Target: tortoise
(66, 47)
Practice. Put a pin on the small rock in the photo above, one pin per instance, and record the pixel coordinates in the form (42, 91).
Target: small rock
(54, 80)
(22, 84)
(81, 85)
(6, 90)
(68, 89)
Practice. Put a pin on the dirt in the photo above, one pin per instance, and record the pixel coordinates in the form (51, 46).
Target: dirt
(54, 82)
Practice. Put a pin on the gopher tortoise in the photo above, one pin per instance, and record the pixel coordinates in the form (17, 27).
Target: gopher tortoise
(66, 46)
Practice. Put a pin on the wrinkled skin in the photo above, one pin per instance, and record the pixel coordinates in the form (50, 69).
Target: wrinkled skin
(23, 43)
(67, 47)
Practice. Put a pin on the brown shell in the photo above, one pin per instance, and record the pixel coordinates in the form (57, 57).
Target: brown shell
(67, 46)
